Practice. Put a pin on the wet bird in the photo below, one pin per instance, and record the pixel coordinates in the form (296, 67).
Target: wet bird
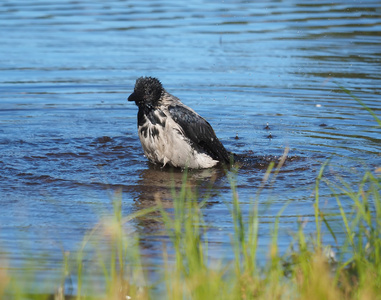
(170, 132)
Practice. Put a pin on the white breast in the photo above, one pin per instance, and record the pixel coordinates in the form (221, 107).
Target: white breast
(168, 145)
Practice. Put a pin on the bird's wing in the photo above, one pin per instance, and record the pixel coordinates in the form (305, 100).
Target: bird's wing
(199, 131)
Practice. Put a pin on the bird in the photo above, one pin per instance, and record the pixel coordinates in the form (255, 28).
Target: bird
(171, 133)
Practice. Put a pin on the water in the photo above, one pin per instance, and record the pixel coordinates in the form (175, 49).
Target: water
(68, 137)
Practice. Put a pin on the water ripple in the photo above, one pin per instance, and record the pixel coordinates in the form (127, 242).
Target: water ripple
(265, 75)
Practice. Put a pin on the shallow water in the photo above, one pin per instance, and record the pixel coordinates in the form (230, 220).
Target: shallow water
(68, 137)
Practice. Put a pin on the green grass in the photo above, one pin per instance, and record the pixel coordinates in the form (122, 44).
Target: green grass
(304, 272)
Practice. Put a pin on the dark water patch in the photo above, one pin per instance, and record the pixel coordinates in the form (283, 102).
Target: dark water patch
(103, 139)
(249, 160)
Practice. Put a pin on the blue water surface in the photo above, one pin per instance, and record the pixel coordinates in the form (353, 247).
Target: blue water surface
(68, 137)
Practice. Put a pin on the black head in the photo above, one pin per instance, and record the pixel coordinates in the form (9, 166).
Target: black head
(147, 92)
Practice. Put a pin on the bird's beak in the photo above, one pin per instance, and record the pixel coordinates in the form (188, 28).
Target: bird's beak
(131, 97)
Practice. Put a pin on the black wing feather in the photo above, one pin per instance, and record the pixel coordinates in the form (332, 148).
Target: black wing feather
(199, 131)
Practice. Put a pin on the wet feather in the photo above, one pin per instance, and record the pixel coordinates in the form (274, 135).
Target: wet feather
(172, 133)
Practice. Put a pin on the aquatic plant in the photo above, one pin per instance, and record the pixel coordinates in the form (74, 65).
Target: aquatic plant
(309, 269)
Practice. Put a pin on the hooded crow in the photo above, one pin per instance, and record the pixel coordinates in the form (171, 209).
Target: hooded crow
(170, 132)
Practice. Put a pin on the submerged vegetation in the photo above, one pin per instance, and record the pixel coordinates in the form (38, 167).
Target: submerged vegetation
(308, 270)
